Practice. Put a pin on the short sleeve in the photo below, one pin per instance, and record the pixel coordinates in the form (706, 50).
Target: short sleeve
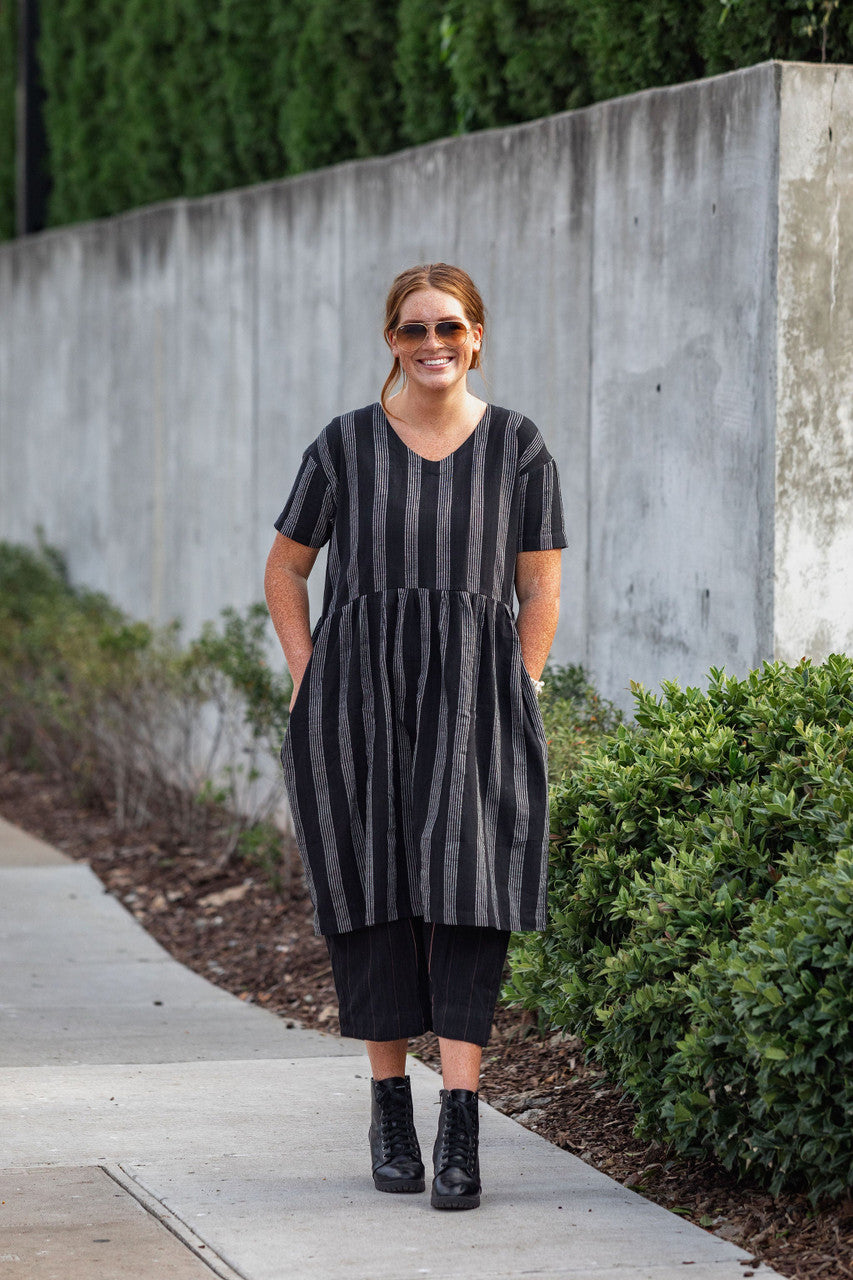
(309, 513)
(541, 525)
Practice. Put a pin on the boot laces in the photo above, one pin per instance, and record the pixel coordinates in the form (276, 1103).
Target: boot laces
(459, 1139)
(396, 1127)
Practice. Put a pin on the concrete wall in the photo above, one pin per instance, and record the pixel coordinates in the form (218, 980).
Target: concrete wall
(162, 371)
(814, 433)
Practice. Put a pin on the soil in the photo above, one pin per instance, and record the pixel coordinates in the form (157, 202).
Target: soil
(232, 927)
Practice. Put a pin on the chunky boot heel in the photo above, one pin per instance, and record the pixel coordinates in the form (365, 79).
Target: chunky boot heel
(456, 1184)
(394, 1149)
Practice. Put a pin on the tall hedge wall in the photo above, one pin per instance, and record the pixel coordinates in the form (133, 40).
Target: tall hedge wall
(8, 64)
(149, 99)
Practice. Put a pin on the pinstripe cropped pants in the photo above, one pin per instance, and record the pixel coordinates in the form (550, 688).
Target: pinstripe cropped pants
(404, 977)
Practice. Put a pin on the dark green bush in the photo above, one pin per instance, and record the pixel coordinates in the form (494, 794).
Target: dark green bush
(151, 100)
(427, 105)
(344, 101)
(574, 716)
(669, 838)
(8, 72)
(765, 1074)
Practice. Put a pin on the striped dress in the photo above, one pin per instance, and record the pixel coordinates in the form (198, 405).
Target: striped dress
(415, 757)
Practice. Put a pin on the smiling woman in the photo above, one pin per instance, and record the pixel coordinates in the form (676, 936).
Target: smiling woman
(415, 757)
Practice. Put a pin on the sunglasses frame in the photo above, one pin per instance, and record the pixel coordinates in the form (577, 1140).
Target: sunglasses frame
(422, 324)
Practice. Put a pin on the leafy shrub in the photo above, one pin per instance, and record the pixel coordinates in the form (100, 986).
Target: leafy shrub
(574, 716)
(765, 1074)
(132, 718)
(669, 841)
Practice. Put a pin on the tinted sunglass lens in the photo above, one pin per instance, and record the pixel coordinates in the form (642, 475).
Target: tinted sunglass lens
(453, 332)
(410, 336)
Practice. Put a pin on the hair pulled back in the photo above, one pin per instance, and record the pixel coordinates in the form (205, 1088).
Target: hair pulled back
(431, 275)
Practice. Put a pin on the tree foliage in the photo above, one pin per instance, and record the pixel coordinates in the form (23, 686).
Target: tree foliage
(8, 44)
(149, 99)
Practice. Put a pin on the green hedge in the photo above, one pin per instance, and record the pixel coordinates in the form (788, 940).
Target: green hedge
(699, 941)
(8, 71)
(175, 97)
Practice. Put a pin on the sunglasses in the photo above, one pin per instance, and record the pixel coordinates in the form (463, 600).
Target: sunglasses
(410, 336)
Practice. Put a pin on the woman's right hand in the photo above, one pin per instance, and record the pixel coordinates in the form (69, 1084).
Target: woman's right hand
(286, 585)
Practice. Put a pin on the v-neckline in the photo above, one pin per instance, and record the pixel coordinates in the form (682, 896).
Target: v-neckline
(435, 464)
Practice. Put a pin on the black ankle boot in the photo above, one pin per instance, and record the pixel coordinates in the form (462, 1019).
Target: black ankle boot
(394, 1149)
(456, 1184)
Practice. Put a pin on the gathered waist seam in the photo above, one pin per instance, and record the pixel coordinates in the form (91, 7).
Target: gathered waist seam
(391, 591)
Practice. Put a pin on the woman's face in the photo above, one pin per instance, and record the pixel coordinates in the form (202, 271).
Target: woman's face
(435, 365)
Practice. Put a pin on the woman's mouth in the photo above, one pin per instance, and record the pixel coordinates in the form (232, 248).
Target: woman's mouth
(436, 363)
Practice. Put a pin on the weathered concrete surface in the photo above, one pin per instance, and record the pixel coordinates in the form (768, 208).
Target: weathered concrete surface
(682, 396)
(814, 426)
(80, 1224)
(20, 849)
(252, 1149)
(161, 372)
(80, 981)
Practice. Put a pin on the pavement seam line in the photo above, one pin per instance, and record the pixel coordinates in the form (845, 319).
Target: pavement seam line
(173, 1223)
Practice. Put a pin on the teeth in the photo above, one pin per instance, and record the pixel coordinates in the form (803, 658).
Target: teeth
(436, 363)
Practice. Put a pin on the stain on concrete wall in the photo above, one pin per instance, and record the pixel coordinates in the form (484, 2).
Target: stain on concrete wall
(814, 443)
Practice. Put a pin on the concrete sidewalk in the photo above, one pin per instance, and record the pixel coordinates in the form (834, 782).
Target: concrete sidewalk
(156, 1128)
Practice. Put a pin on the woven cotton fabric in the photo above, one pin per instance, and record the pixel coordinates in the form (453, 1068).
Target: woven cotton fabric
(415, 758)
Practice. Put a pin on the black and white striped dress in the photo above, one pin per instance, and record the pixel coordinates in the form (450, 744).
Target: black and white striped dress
(415, 757)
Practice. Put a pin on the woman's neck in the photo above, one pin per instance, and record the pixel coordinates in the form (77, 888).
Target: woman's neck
(442, 412)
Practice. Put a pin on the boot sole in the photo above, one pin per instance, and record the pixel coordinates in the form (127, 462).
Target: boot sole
(381, 1185)
(454, 1202)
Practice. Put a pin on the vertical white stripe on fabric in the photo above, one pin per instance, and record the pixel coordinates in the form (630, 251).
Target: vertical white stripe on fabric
(410, 537)
(440, 763)
(346, 658)
(404, 747)
(321, 782)
(423, 596)
(522, 798)
(537, 444)
(390, 736)
(302, 490)
(495, 784)
(462, 627)
(509, 461)
(298, 829)
(349, 447)
(522, 499)
(547, 489)
(478, 498)
(324, 520)
(333, 569)
(443, 526)
(481, 843)
(369, 723)
(380, 500)
(327, 461)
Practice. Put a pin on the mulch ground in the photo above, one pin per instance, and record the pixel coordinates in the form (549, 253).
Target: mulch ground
(228, 925)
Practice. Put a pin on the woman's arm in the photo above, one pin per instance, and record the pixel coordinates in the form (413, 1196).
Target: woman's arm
(286, 585)
(537, 585)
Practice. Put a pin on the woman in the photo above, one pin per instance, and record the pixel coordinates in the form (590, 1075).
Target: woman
(415, 757)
